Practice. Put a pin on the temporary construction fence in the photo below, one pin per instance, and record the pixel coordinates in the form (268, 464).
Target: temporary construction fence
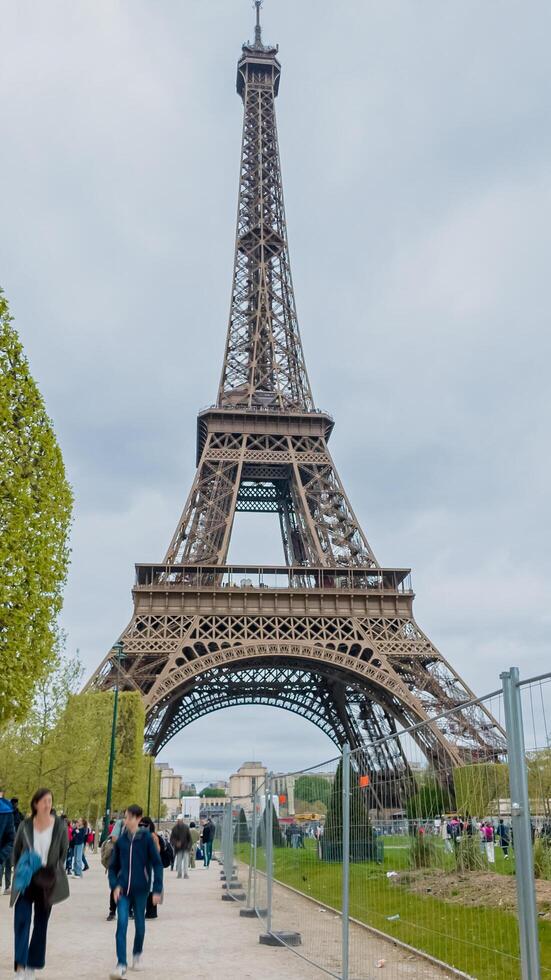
(436, 870)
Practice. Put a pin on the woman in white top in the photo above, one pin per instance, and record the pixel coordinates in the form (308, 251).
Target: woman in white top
(45, 834)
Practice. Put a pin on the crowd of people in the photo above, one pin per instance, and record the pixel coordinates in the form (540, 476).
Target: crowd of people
(39, 852)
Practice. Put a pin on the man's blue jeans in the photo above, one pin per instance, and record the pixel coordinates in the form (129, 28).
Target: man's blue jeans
(77, 866)
(31, 954)
(123, 907)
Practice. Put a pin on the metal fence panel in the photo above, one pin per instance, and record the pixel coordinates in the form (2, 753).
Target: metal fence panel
(412, 866)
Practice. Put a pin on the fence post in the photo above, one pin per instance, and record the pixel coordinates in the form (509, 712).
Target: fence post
(252, 859)
(345, 859)
(521, 827)
(227, 856)
(269, 850)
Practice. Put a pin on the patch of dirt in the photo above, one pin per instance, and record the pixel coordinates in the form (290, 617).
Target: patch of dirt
(474, 888)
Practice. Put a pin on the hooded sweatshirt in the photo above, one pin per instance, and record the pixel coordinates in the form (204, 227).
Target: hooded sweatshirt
(133, 859)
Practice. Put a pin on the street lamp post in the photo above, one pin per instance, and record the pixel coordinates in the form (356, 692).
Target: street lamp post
(118, 648)
(148, 810)
(159, 806)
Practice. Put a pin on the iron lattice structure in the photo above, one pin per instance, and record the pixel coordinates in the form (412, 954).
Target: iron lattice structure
(331, 635)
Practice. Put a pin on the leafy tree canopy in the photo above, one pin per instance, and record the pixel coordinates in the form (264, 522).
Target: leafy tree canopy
(35, 515)
(64, 743)
(479, 787)
(211, 791)
(430, 801)
(312, 789)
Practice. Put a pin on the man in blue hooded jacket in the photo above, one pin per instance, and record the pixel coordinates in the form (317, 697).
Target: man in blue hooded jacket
(134, 860)
(7, 837)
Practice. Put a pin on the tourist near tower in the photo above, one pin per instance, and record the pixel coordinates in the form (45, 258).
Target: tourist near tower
(331, 634)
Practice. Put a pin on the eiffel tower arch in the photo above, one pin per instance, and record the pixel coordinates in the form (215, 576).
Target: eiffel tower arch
(331, 634)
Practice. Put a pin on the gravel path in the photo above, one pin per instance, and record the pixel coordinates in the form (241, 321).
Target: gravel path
(196, 936)
(200, 937)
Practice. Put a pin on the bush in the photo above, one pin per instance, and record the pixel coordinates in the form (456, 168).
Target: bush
(469, 856)
(422, 852)
(542, 859)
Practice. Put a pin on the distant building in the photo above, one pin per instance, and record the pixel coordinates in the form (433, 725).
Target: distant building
(245, 782)
(171, 789)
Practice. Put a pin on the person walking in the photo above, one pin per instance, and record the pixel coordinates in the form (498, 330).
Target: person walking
(194, 841)
(146, 823)
(88, 837)
(78, 841)
(7, 837)
(18, 817)
(134, 860)
(106, 851)
(70, 849)
(45, 836)
(488, 832)
(207, 836)
(504, 840)
(180, 838)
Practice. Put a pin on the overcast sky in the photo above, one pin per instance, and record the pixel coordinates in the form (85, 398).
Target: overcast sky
(415, 141)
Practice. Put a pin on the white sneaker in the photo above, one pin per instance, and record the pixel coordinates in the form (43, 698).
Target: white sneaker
(120, 971)
(29, 974)
(137, 962)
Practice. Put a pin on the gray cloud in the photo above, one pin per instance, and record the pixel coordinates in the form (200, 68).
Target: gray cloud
(415, 148)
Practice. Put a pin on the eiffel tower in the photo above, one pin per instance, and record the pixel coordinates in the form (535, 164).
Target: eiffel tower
(331, 634)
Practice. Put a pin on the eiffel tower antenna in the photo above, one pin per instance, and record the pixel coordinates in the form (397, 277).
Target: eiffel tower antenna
(330, 635)
(258, 28)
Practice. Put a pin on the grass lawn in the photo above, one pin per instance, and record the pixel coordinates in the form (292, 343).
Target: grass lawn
(482, 942)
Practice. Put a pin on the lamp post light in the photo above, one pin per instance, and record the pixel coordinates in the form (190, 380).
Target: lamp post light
(118, 648)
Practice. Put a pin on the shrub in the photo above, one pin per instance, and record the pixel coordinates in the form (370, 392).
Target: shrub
(422, 852)
(542, 860)
(469, 856)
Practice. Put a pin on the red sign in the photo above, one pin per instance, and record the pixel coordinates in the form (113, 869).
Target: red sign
(282, 798)
(364, 781)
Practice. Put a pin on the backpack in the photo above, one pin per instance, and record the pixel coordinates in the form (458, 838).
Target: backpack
(167, 853)
(106, 852)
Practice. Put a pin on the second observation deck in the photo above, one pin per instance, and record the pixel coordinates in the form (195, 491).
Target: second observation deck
(282, 577)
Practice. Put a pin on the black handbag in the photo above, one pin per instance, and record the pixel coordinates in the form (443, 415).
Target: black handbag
(41, 888)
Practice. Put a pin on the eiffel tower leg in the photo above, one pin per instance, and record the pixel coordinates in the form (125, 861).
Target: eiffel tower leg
(203, 532)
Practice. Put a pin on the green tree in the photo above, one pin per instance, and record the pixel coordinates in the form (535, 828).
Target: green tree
(35, 515)
(64, 744)
(430, 800)
(269, 817)
(241, 834)
(310, 790)
(212, 792)
(363, 842)
(24, 746)
(478, 787)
